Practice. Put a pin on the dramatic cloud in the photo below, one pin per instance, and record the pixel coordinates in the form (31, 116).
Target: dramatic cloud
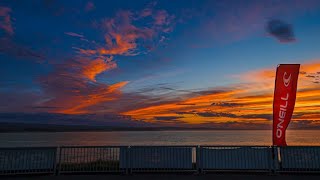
(166, 118)
(97, 66)
(281, 31)
(89, 85)
(124, 35)
(5, 20)
(214, 114)
(225, 104)
(244, 102)
(72, 86)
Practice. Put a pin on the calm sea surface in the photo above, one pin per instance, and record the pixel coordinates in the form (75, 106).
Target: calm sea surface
(228, 137)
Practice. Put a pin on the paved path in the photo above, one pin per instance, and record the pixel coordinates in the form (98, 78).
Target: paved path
(169, 177)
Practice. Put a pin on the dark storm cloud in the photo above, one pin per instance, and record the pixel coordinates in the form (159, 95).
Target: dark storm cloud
(186, 104)
(234, 125)
(167, 118)
(281, 30)
(314, 76)
(303, 124)
(216, 114)
(207, 92)
(225, 104)
(310, 76)
(44, 107)
(194, 112)
(228, 115)
(257, 116)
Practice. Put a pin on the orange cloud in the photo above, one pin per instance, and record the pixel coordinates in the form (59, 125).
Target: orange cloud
(123, 45)
(72, 88)
(121, 37)
(123, 32)
(96, 67)
(102, 94)
(240, 103)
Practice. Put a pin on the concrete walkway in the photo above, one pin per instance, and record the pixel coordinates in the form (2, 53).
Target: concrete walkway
(169, 177)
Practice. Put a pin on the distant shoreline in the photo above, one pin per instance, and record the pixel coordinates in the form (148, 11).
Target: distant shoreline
(25, 127)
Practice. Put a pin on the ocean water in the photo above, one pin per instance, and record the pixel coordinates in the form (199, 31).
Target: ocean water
(210, 137)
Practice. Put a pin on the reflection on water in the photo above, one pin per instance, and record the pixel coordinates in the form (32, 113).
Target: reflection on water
(228, 137)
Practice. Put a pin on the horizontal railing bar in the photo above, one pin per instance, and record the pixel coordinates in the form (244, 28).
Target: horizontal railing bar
(146, 146)
(234, 146)
(92, 146)
(297, 146)
(27, 148)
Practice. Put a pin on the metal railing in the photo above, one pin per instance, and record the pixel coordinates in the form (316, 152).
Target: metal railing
(28, 160)
(235, 158)
(160, 158)
(130, 159)
(299, 159)
(90, 159)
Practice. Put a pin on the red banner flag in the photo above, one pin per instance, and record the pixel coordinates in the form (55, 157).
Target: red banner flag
(284, 100)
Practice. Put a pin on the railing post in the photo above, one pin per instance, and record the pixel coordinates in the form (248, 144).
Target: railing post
(273, 160)
(198, 161)
(279, 157)
(55, 161)
(276, 157)
(128, 160)
(60, 159)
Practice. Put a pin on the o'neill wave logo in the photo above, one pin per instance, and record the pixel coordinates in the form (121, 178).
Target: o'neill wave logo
(286, 81)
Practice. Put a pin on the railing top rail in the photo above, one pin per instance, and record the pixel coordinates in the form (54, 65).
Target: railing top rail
(232, 146)
(146, 146)
(28, 148)
(75, 146)
(308, 146)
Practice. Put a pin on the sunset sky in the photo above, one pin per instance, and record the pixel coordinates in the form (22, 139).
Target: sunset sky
(186, 63)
